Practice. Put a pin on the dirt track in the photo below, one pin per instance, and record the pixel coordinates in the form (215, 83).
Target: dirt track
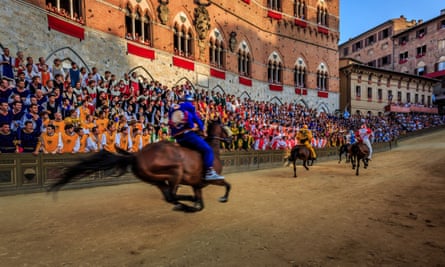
(393, 214)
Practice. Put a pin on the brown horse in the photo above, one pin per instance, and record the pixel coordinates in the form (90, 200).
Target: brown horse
(163, 164)
(359, 151)
(345, 149)
(300, 152)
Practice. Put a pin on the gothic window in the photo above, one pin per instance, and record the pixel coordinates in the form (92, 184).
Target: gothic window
(322, 15)
(216, 50)
(244, 60)
(71, 9)
(137, 26)
(300, 9)
(322, 78)
(275, 69)
(274, 4)
(183, 38)
(300, 73)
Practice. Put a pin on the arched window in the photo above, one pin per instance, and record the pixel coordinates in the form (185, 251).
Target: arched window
(137, 26)
(322, 14)
(322, 78)
(274, 4)
(72, 9)
(274, 69)
(216, 50)
(128, 24)
(441, 64)
(183, 37)
(300, 73)
(300, 9)
(244, 60)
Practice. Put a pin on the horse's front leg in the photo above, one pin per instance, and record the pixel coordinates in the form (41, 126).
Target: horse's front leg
(353, 162)
(221, 182)
(358, 166)
(295, 169)
(365, 163)
(199, 203)
(305, 164)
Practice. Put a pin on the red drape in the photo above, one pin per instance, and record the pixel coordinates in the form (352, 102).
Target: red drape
(275, 87)
(245, 81)
(182, 63)
(323, 30)
(301, 23)
(435, 74)
(300, 91)
(217, 73)
(274, 15)
(66, 27)
(323, 94)
(140, 51)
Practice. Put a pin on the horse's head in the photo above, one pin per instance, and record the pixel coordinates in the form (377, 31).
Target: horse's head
(215, 130)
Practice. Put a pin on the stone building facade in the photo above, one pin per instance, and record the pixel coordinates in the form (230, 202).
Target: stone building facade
(375, 46)
(370, 90)
(420, 50)
(283, 51)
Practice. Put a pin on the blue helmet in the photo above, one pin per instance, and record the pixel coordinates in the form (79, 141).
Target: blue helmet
(188, 98)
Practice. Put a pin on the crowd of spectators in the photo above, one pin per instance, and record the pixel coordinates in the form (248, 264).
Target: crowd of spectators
(46, 108)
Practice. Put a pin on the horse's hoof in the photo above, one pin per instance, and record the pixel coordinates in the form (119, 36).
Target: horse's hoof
(198, 206)
(178, 207)
(223, 199)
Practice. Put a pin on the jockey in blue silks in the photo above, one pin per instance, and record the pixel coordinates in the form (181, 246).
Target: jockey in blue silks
(182, 119)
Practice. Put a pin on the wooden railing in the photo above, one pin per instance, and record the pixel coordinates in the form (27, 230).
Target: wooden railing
(26, 173)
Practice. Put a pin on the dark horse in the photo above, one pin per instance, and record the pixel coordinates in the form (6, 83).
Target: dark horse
(300, 152)
(163, 164)
(359, 151)
(345, 149)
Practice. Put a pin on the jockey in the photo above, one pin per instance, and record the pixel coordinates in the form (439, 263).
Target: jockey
(364, 133)
(351, 137)
(304, 137)
(184, 122)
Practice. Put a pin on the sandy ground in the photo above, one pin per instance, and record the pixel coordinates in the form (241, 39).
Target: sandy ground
(393, 214)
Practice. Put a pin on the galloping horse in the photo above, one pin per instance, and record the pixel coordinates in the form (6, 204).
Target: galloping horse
(163, 164)
(345, 149)
(359, 151)
(300, 152)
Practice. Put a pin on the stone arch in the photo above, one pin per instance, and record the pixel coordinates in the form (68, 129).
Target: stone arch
(244, 42)
(275, 100)
(143, 6)
(183, 80)
(302, 102)
(68, 54)
(323, 107)
(219, 89)
(144, 70)
(245, 93)
(182, 19)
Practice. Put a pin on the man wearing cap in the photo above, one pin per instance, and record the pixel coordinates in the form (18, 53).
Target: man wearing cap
(184, 122)
(304, 137)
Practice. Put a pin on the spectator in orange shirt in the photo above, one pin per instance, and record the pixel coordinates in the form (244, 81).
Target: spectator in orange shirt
(70, 140)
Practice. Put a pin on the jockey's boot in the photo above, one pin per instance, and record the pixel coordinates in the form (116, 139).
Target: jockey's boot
(212, 175)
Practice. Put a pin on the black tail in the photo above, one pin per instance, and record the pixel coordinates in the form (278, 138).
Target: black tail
(99, 161)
